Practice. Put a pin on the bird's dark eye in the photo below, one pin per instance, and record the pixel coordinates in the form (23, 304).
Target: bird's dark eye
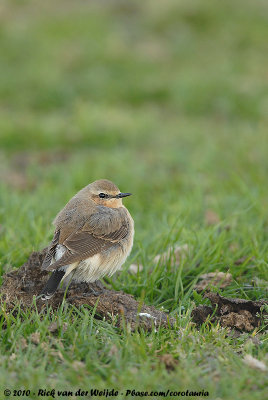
(102, 195)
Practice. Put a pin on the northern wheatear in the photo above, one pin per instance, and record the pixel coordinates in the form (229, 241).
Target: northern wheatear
(93, 237)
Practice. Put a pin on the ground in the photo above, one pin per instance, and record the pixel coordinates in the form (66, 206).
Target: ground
(169, 100)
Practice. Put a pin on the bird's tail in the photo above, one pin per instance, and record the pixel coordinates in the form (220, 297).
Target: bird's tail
(52, 284)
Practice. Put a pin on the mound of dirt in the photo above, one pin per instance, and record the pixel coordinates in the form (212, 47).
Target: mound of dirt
(22, 284)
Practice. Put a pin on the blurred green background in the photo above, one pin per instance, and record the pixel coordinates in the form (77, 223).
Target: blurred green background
(169, 100)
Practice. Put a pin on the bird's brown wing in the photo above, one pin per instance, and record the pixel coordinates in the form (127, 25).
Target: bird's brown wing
(80, 246)
(51, 250)
(85, 242)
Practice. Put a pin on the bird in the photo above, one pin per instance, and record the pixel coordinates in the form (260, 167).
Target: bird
(93, 237)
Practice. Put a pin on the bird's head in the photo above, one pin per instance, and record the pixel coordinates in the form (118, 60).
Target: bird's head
(106, 193)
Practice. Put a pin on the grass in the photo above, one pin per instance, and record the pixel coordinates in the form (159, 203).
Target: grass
(169, 101)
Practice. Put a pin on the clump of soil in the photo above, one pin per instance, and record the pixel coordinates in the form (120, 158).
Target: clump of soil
(23, 284)
(243, 315)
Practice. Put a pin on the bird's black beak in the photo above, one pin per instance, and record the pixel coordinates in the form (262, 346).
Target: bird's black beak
(120, 195)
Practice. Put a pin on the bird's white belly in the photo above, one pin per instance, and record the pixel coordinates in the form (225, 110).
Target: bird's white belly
(94, 268)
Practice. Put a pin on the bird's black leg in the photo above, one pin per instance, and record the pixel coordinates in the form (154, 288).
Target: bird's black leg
(52, 284)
